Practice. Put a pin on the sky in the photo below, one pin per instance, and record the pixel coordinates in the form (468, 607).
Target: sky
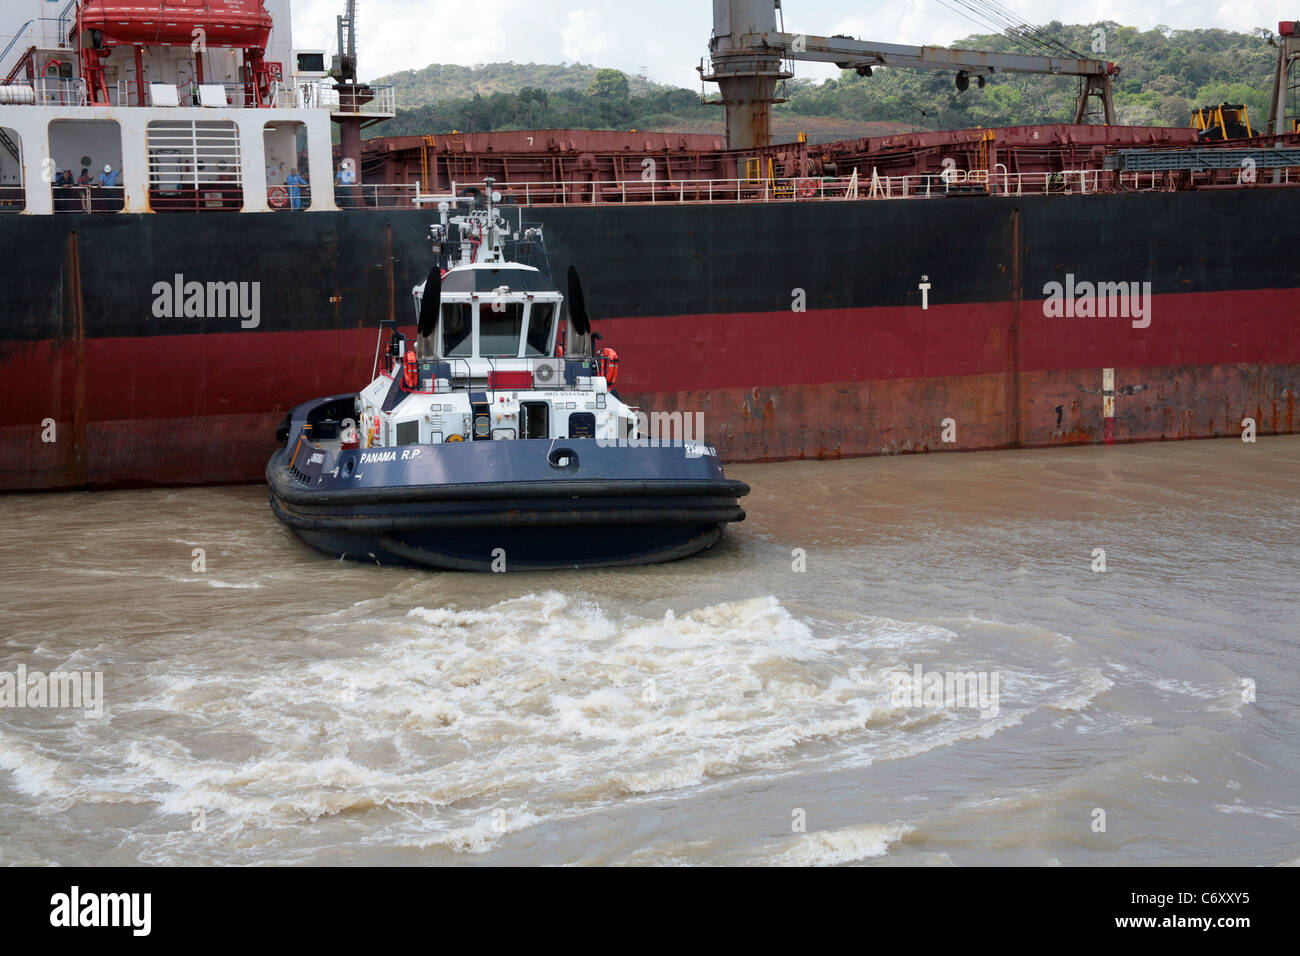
(665, 39)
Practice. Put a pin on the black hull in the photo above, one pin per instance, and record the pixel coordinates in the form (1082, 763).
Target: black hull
(698, 300)
(518, 525)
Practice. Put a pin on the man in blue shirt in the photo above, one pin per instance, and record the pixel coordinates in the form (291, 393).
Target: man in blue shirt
(346, 180)
(295, 183)
(111, 194)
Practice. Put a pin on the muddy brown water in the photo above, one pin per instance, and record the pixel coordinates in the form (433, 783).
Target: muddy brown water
(277, 706)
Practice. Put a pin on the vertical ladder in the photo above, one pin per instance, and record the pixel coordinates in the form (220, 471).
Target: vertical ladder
(10, 146)
(457, 163)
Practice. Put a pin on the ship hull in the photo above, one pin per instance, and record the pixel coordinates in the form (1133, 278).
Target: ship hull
(497, 506)
(798, 330)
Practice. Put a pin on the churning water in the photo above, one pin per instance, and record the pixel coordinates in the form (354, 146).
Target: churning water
(265, 704)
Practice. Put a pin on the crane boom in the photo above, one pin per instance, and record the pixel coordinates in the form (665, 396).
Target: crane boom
(747, 53)
(851, 54)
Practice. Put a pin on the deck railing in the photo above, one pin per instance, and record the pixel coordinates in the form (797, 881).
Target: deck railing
(43, 91)
(283, 95)
(206, 196)
(297, 94)
(88, 199)
(787, 189)
(838, 188)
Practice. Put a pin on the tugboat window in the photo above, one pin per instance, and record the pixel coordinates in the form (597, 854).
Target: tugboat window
(456, 325)
(499, 331)
(408, 433)
(539, 329)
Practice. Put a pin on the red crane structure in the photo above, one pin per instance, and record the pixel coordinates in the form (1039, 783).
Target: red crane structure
(107, 25)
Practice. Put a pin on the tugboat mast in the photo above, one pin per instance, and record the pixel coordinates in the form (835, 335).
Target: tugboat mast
(481, 231)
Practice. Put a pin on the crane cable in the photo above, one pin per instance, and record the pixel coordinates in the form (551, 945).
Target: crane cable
(991, 15)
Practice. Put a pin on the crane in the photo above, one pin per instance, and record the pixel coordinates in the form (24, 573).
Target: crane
(747, 54)
(1288, 54)
(345, 62)
(353, 97)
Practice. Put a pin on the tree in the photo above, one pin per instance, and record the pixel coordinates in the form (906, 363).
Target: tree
(610, 85)
(609, 91)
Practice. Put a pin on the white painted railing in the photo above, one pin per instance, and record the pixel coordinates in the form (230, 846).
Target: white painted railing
(311, 93)
(802, 188)
(299, 94)
(378, 196)
(43, 91)
(833, 188)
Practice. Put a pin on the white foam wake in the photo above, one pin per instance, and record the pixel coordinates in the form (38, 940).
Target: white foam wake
(847, 845)
(453, 727)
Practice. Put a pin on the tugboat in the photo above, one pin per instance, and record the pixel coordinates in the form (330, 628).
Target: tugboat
(486, 444)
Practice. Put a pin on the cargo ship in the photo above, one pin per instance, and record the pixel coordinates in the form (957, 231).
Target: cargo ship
(927, 291)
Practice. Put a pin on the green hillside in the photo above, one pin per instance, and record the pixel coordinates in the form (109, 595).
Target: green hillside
(1164, 74)
(450, 81)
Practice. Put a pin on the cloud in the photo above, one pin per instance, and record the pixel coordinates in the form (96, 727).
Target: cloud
(585, 39)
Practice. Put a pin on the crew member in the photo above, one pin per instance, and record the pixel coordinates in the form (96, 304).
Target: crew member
(295, 183)
(345, 179)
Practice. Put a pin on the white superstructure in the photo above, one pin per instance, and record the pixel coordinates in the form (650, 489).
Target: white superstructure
(491, 367)
(182, 130)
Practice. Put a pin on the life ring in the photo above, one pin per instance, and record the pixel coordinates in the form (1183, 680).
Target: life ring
(456, 438)
(278, 197)
(608, 362)
(805, 188)
(409, 376)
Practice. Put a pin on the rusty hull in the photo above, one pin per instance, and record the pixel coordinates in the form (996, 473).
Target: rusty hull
(902, 416)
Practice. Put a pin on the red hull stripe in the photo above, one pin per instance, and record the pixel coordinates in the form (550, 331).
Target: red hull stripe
(184, 376)
(742, 350)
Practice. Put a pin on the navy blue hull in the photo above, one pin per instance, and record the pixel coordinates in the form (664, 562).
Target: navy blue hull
(503, 505)
(606, 546)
